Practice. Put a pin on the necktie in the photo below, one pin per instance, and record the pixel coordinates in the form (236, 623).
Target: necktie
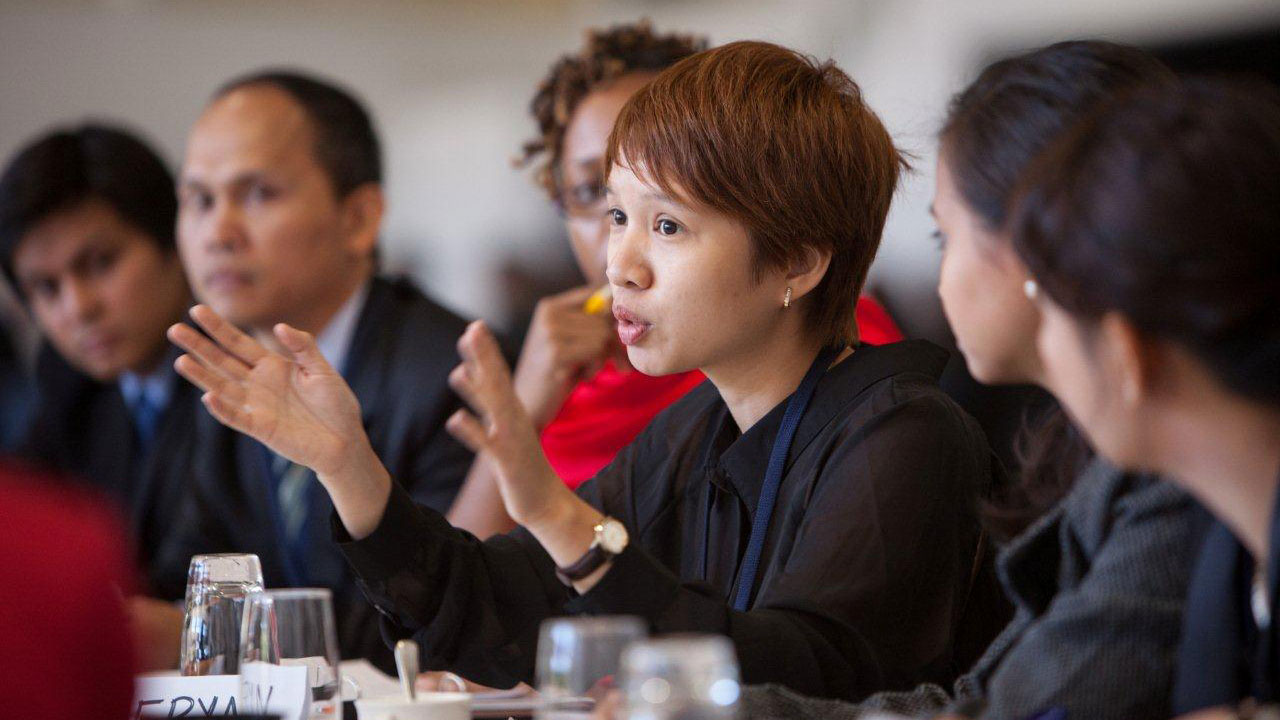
(146, 416)
(291, 494)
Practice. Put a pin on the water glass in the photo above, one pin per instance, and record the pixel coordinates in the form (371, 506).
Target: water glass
(216, 588)
(578, 658)
(680, 677)
(289, 636)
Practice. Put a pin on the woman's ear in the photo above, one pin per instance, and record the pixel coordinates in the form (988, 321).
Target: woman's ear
(361, 218)
(807, 271)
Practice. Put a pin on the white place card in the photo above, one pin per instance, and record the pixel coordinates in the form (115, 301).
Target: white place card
(172, 696)
(276, 690)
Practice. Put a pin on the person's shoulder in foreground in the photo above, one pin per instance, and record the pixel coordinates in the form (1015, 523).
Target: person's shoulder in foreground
(63, 572)
(1098, 583)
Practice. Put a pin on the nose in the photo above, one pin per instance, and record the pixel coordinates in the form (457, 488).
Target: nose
(627, 266)
(223, 228)
(78, 300)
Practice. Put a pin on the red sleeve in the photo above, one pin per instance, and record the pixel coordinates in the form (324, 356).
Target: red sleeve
(875, 327)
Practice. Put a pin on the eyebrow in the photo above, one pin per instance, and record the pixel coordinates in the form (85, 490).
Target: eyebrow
(931, 211)
(243, 178)
(91, 243)
(659, 197)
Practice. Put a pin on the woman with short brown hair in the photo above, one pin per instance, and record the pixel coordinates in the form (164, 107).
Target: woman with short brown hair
(814, 501)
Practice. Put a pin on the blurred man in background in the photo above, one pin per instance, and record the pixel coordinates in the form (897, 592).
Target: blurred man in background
(87, 238)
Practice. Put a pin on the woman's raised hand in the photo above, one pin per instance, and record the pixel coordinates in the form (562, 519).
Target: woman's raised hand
(298, 406)
(500, 426)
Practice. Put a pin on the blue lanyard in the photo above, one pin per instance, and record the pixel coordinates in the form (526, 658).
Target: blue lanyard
(796, 405)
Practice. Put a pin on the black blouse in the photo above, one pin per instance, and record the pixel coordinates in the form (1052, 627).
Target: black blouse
(872, 575)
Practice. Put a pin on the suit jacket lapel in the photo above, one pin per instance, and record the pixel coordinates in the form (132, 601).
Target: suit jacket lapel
(368, 356)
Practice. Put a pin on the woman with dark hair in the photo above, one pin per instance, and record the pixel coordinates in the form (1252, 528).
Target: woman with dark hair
(1151, 232)
(814, 501)
(573, 376)
(1097, 580)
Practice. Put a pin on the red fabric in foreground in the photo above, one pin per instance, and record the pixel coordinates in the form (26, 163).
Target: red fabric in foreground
(66, 652)
(606, 411)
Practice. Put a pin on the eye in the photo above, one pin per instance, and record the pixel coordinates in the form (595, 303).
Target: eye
(939, 239)
(617, 217)
(42, 288)
(100, 262)
(195, 199)
(259, 192)
(585, 195)
(667, 227)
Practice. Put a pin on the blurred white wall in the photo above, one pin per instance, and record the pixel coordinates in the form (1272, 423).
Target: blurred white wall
(448, 83)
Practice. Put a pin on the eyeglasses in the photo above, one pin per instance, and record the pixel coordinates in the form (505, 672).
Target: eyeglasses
(582, 201)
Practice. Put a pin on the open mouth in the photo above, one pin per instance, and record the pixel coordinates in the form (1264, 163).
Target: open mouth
(631, 327)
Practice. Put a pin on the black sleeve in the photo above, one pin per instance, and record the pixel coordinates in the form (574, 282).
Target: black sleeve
(474, 607)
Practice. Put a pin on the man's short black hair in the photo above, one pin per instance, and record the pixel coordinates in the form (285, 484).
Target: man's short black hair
(346, 144)
(70, 166)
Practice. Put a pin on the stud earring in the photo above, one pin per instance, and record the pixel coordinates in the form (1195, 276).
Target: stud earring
(786, 299)
(1031, 289)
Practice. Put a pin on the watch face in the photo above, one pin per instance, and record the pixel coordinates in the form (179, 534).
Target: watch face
(613, 536)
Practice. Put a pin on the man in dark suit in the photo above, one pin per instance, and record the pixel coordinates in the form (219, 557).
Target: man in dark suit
(280, 206)
(87, 238)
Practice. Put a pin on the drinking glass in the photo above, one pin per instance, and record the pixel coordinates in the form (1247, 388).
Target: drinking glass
(289, 636)
(216, 589)
(680, 677)
(578, 660)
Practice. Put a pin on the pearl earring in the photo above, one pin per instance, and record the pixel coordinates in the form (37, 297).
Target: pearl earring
(1031, 289)
(786, 299)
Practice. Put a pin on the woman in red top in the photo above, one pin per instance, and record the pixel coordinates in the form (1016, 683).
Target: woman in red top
(572, 375)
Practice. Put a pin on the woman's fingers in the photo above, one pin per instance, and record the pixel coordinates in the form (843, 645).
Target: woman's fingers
(467, 429)
(477, 345)
(460, 381)
(483, 379)
(208, 380)
(235, 342)
(302, 345)
(207, 352)
(233, 415)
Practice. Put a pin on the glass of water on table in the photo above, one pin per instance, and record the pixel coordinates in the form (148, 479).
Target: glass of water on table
(289, 640)
(578, 662)
(680, 677)
(216, 589)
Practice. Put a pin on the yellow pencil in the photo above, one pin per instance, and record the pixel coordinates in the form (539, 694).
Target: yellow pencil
(599, 301)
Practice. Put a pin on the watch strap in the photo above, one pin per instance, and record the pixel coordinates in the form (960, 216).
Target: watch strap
(591, 560)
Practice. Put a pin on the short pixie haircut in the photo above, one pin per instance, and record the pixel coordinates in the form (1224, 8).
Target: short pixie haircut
(68, 167)
(782, 144)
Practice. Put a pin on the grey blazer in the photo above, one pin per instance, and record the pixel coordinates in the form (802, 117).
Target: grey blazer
(1097, 585)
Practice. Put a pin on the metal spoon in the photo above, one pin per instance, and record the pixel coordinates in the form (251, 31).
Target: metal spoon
(407, 667)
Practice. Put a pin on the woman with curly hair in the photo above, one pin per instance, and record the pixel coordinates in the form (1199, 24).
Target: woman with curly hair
(572, 374)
